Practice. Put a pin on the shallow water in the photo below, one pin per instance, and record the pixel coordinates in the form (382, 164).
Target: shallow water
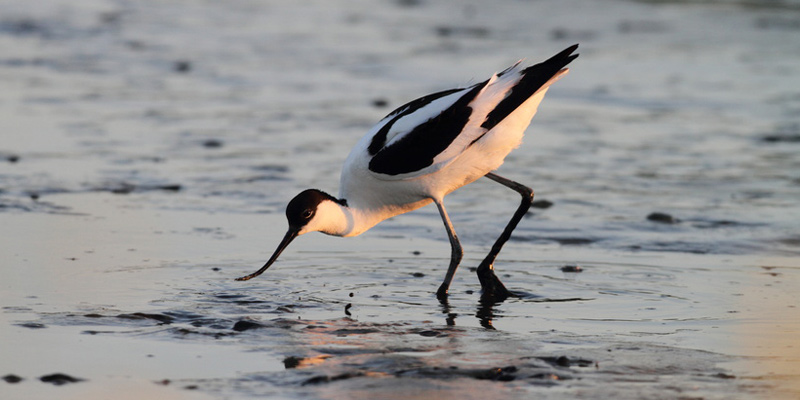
(148, 150)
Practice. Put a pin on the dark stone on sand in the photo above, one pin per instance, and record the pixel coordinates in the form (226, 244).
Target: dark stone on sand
(380, 103)
(347, 309)
(505, 374)
(292, 362)
(571, 268)
(12, 158)
(59, 379)
(165, 319)
(123, 188)
(722, 375)
(182, 66)
(662, 218)
(781, 138)
(11, 378)
(212, 143)
(325, 379)
(171, 188)
(573, 241)
(32, 325)
(565, 361)
(416, 252)
(126, 188)
(418, 275)
(241, 326)
(542, 204)
(23, 27)
(430, 334)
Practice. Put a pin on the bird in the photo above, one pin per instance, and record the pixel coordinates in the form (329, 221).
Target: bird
(426, 149)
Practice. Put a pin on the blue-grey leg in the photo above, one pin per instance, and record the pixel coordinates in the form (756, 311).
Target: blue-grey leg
(455, 254)
(491, 285)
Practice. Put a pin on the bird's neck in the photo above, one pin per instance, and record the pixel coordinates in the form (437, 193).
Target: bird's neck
(344, 220)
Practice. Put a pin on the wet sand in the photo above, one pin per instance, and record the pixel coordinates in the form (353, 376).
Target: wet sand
(148, 150)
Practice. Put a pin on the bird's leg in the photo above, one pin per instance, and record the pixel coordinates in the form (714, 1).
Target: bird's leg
(455, 255)
(491, 285)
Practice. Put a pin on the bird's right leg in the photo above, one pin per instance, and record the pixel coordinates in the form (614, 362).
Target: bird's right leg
(455, 255)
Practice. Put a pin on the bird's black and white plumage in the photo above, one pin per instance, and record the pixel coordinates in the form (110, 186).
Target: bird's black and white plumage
(426, 149)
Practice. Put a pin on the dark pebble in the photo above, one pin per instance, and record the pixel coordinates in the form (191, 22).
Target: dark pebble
(182, 66)
(292, 362)
(171, 188)
(571, 268)
(498, 374)
(325, 379)
(12, 158)
(564, 361)
(59, 379)
(542, 204)
(347, 309)
(212, 144)
(429, 333)
(662, 218)
(241, 326)
(124, 188)
(416, 252)
(418, 275)
(215, 269)
(786, 138)
(165, 319)
(351, 294)
(380, 103)
(11, 378)
(32, 325)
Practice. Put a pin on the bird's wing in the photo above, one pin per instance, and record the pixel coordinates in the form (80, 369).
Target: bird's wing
(428, 133)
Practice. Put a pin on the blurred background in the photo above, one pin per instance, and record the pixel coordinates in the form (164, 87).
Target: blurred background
(148, 148)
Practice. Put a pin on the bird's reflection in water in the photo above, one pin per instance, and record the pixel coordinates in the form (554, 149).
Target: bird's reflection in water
(485, 312)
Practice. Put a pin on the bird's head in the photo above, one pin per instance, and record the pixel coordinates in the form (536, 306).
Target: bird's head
(310, 211)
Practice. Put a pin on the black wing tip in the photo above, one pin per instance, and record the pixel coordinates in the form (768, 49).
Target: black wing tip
(556, 62)
(565, 56)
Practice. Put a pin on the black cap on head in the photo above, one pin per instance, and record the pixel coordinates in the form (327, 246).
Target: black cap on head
(303, 207)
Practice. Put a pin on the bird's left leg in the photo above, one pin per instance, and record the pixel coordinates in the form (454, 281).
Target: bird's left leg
(491, 285)
(455, 255)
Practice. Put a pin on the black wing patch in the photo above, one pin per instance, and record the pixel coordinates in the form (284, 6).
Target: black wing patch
(533, 78)
(417, 149)
(379, 140)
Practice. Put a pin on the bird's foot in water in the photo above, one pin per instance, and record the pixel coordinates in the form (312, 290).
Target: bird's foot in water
(493, 290)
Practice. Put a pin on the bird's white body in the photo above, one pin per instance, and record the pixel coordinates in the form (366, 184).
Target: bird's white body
(373, 197)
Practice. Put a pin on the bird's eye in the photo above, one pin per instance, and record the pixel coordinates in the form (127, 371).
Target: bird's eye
(307, 213)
